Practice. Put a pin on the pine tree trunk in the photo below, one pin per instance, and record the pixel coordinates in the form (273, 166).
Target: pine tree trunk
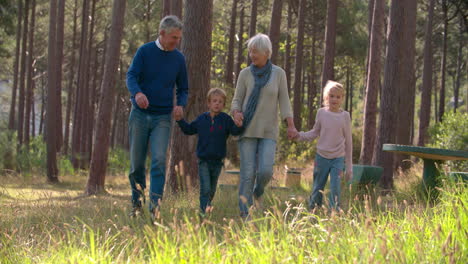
(80, 93)
(459, 73)
(166, 8)
(71, 82)
(11, 120)
(373, 83)
(313, 71)
(275, 27)
(230, 56)
(176, 8)
(21, 92)
(287, 59)
(29, 78)
(52, 171)
(388, 101)
(98, 166)
(58, 85)
(444, 62)
(196, 45)
(253, 23)
(240, 43)
(330, 38)
(298, 66)
(407, 86)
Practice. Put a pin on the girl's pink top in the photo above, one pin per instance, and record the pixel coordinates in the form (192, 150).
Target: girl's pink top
(334, 132)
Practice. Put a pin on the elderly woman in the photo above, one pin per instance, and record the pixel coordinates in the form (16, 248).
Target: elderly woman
(261, 88)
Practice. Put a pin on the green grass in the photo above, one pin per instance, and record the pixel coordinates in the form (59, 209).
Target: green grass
(42, 223)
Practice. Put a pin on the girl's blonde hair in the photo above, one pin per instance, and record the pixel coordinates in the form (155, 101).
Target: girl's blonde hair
(332, 85)
(216, 91)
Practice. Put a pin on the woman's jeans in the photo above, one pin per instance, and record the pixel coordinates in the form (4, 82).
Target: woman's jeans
(154, 130)
(322, 168)
(257, 157)
(208, 171)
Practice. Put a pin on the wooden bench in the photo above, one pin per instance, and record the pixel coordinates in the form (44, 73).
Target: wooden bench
(293, 177)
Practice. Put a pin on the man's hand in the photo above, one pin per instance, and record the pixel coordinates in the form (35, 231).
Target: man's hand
(238, 118)
(178, 112)
(141, 100)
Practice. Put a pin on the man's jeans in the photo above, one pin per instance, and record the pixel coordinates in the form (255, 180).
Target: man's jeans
(257, 157)
(147, 128)
(208, 171)
(322, 168)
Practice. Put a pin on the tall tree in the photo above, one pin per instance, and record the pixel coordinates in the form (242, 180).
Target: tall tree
(11, 120)
(196, 45)
(388, 98)
(287, 53)
(298, 65)
(100, 153)
(240, 43)
(230, 56)
(373, 83)
(59, 57)
(313, 70)
(275, 25)
(29, 77)
(176, 8)
(21, 92)
(253, 23)
(425, 111)
(407, 86)
(166, 8)
(459, 73)
(443, 65)
(71, 81)
(330, 38)
(79, 95)
(52, 171)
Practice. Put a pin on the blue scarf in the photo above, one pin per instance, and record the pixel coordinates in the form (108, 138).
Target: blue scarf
(261, 76)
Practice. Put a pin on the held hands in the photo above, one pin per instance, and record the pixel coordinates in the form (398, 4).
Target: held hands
(238, 118)
(292, 133)
(178, 112)
(141, 100)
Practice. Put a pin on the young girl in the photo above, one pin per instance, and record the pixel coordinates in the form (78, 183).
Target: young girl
(334, 146)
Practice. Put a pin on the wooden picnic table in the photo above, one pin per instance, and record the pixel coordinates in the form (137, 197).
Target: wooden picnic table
(430, 156)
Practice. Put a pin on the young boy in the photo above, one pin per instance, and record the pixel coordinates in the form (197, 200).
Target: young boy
(213, 129)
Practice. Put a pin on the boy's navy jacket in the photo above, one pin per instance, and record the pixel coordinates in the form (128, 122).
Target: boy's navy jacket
(212, 134)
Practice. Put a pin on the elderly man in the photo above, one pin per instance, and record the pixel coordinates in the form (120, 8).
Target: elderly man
(156, 69)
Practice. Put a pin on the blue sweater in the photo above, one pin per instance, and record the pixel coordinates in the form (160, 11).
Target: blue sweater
(212, 134)
(155, 72)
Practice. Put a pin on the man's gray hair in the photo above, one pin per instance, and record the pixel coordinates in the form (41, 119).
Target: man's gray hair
(261, 43)
(168, 23)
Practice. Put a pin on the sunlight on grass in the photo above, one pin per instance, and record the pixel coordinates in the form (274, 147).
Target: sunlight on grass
(50, 224)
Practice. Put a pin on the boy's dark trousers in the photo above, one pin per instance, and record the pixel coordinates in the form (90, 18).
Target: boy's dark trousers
(208, 172)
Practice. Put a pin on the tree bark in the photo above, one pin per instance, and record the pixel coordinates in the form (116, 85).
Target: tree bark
(29, 78)
(240, 43)
(100, 153)
(21, 92)
(11, 120)
(313, 70)
(71, 82)
(407, 85)
(298, 66)
(176, 8)
(275, 27)
(52, 171)
(230, 56)
(425, 111)
(287, 59)
(330, 38)
(459, 73)
(196, 45)
(253, 23)
(58, 84)
(373, 83)
(166, 8)
(444, 61)
(388, 99)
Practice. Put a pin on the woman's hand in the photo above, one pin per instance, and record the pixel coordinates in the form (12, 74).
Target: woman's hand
(292, 131)
(238, 118)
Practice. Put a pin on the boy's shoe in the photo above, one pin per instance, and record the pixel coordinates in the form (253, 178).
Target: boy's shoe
(136, 211)
(209, 209)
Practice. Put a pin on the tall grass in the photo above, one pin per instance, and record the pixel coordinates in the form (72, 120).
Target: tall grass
(41, 223)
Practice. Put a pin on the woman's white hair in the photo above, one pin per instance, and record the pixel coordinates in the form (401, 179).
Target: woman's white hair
(261, 43)
(169, 23)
